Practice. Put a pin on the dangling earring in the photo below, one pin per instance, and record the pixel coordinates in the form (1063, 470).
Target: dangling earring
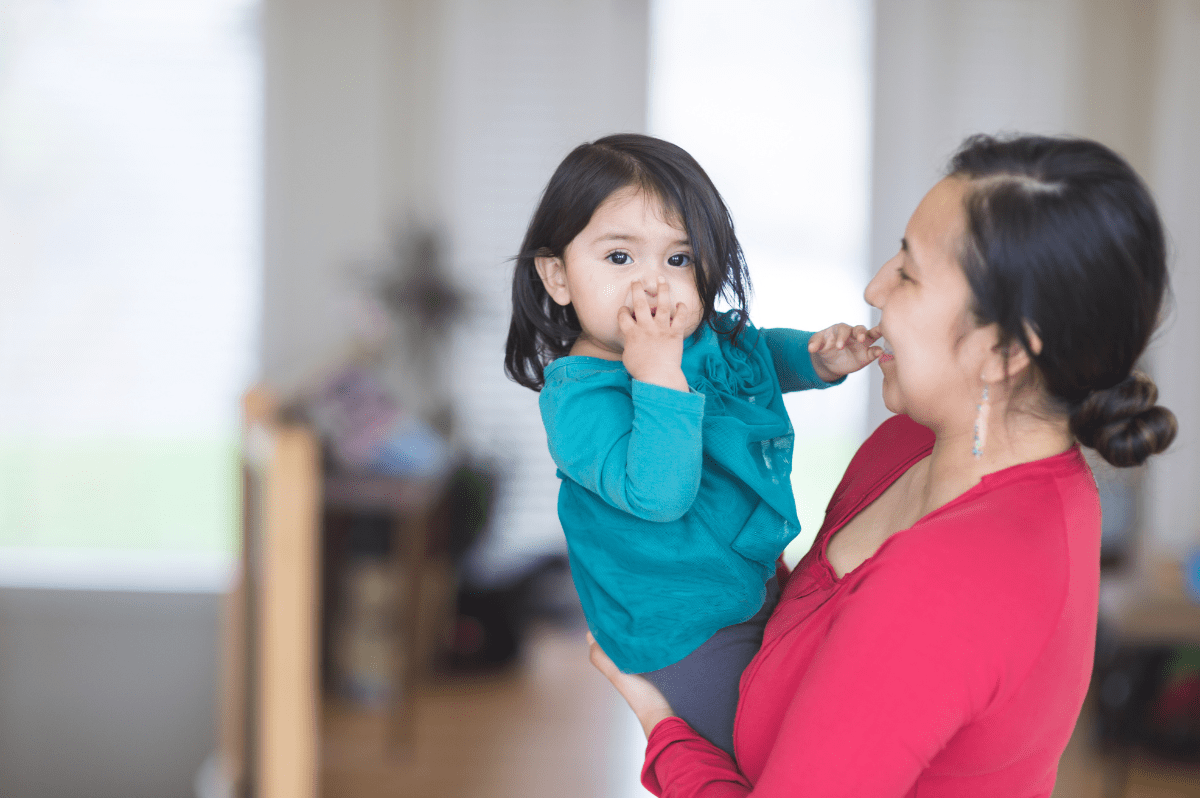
(982, 409)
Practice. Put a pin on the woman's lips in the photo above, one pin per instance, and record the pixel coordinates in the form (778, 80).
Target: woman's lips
(887, 350)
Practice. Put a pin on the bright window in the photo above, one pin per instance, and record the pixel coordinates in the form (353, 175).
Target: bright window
(772, 97)
(129, 195)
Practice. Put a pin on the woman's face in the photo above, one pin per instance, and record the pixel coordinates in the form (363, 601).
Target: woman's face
(937, 354)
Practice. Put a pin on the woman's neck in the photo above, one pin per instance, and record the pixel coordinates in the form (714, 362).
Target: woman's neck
(952, 468)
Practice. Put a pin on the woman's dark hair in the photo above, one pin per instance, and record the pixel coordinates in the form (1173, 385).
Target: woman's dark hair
(541, 330)
(1062, 236)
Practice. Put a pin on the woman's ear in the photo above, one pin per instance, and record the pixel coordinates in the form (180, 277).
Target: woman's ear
(554, 277)
(1018, 358)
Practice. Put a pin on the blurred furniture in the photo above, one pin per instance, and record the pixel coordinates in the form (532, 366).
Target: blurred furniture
(269, 715)
(1151, 605)
(271, 687)
(415, 567)
(1147, 680)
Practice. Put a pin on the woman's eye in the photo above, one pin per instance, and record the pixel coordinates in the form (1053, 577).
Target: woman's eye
(619, 258)
(679, 260)
(904, 275)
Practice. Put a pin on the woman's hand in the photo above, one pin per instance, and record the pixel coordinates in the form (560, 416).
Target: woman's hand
(653, 340)
(839, 350)
(646, 701)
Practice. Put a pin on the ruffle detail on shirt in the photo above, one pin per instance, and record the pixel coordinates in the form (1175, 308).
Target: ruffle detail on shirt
(759, 538)
(747, 430)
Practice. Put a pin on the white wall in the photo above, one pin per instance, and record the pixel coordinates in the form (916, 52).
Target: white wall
(106, 694)
(1125, 73)
(384, 116)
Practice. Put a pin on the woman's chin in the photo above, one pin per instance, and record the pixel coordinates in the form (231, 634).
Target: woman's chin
(890, 401)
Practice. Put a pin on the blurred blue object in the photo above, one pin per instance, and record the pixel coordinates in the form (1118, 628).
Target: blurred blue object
(368, 431)
(1191, 573)
(413, 449)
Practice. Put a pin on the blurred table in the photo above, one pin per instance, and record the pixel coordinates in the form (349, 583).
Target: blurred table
(1151, 605)
(410, 505)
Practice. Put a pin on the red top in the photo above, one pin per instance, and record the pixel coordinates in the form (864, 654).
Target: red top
(952, 662)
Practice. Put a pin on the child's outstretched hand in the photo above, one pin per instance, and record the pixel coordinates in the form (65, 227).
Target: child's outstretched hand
(654, 340)
(839, 350)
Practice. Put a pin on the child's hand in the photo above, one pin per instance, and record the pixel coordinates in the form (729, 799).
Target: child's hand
(839, 350)
(654, 340)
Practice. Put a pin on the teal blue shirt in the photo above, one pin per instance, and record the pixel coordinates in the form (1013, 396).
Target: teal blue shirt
(676, 504)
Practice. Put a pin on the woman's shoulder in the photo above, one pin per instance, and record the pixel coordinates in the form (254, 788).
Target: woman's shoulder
(1016, 535)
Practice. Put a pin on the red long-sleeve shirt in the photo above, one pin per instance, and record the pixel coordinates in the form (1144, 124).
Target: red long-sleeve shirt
(952, 662)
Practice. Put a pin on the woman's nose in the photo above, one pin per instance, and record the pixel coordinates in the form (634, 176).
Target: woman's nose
(874, 293)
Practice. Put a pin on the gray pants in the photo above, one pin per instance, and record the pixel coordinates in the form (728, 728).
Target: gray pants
(703, 687)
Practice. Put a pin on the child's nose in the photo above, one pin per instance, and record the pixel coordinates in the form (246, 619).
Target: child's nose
(650, 281)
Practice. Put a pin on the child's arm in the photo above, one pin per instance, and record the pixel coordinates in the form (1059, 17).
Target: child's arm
(640, 452)
(818, 360)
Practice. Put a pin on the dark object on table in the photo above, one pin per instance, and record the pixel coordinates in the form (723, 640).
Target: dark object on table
(490, 622)
(1149, 697)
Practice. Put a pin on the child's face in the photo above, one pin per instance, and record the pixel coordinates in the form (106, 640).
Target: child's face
(629, 238)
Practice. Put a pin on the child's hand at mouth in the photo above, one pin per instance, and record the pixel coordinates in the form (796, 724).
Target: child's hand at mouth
(654, 337)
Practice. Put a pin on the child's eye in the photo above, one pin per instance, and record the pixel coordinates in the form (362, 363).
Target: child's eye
(679, 260)
(618, 258)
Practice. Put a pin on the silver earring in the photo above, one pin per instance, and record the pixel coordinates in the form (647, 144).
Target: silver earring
(982, 409)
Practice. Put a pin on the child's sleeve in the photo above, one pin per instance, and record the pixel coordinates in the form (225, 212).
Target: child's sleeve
(641, 451)
(793, 362)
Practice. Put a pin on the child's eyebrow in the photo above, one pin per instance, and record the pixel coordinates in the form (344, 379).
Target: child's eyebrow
(630, 237)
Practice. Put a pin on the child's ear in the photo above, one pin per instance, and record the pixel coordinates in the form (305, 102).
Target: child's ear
(554, 277)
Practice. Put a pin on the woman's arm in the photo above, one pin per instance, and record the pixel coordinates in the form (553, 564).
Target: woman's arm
(888, 688)
(713, 772)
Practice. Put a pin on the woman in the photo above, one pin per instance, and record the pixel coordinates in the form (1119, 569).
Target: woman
(938, 637)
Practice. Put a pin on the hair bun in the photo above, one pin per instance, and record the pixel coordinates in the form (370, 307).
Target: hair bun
(1123, 424)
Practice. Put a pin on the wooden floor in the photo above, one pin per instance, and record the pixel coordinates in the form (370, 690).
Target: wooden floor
(549, 727)
(553, 727)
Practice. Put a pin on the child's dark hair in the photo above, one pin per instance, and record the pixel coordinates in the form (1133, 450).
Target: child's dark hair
(541, 330)
(1063, 236)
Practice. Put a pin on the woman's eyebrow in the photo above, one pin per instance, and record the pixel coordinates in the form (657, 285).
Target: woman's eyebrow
(904, 248)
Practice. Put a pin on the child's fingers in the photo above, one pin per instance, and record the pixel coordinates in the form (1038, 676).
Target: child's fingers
(625, 320)
(664, 302)
(641, 306)
(829, 339)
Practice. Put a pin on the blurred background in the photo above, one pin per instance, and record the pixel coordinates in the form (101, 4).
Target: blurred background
(273, 520)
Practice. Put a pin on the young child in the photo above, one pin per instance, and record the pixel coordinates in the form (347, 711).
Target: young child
(665, 417)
